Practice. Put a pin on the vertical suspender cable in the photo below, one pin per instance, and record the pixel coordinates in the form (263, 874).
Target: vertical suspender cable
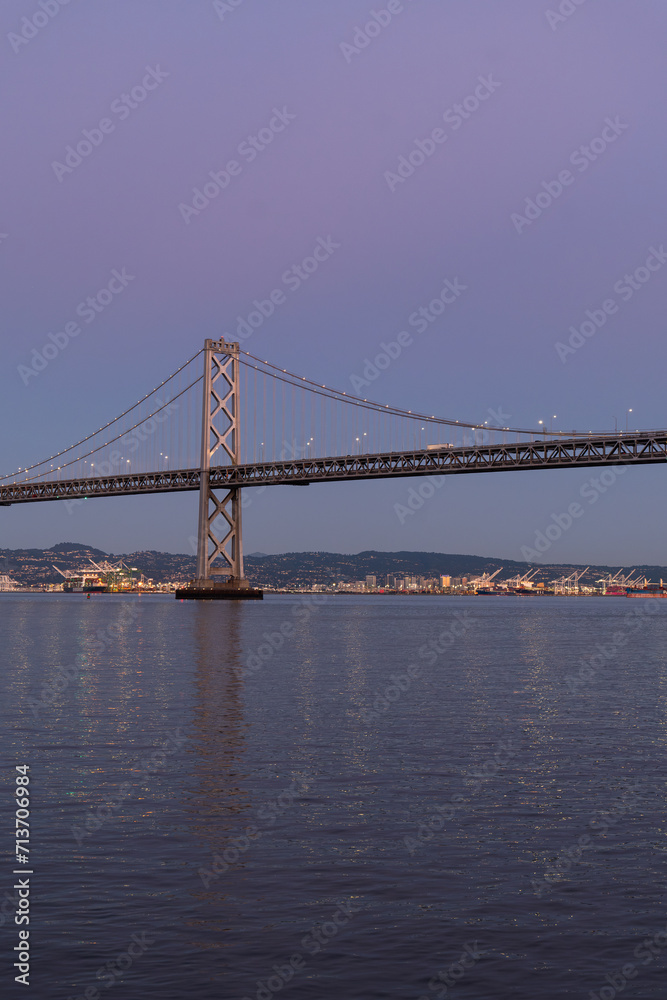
(264, 433)
(273, 427)
(345, 429)
(255, 409)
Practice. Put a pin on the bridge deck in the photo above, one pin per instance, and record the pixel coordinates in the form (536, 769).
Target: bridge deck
(627, 449)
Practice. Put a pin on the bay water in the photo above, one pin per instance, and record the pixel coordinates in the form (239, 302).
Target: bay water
(320, 796)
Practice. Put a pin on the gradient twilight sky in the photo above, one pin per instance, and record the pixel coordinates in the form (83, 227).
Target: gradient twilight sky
(224, 68)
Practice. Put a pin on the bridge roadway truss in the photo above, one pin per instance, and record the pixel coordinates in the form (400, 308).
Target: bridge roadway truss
(647, 447)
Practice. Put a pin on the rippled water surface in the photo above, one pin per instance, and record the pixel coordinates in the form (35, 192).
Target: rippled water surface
(333, 797)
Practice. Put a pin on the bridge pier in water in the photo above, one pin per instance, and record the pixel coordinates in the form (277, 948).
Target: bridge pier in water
(220, 574)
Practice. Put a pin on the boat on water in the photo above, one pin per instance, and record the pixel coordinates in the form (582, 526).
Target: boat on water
(88, 587)
(99, 578)
(83, 581)
(649, 590)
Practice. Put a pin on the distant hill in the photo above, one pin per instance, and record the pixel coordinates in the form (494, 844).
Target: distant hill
(33, 567)
(301, 569)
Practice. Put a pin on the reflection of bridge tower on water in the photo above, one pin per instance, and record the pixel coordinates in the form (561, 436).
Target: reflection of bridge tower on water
(220, 574)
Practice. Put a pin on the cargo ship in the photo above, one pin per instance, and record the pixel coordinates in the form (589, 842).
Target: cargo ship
(83, 582)
(649, 590)
(98, 578)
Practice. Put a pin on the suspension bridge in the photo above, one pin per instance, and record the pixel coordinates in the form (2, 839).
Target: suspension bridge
(244, 422)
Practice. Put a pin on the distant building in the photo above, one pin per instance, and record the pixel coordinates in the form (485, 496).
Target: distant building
(445, 582)
(371, 583)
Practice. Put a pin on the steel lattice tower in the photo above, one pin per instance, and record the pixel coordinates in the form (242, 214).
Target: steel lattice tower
(219, 542)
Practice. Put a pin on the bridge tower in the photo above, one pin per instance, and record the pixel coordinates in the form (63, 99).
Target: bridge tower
(220, 572)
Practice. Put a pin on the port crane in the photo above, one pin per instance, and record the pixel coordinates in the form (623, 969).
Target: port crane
(103, 574)
(521, 581)
(484, 580)
(569, 584)
(621, 581)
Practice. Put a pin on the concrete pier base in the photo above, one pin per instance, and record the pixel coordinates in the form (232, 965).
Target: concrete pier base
(219, 590)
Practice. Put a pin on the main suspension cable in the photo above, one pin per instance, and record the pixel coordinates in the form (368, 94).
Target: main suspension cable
(106, 444)
(344, 397)
(110, 423)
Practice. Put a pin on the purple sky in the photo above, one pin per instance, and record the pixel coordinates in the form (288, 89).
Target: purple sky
(219, 71)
